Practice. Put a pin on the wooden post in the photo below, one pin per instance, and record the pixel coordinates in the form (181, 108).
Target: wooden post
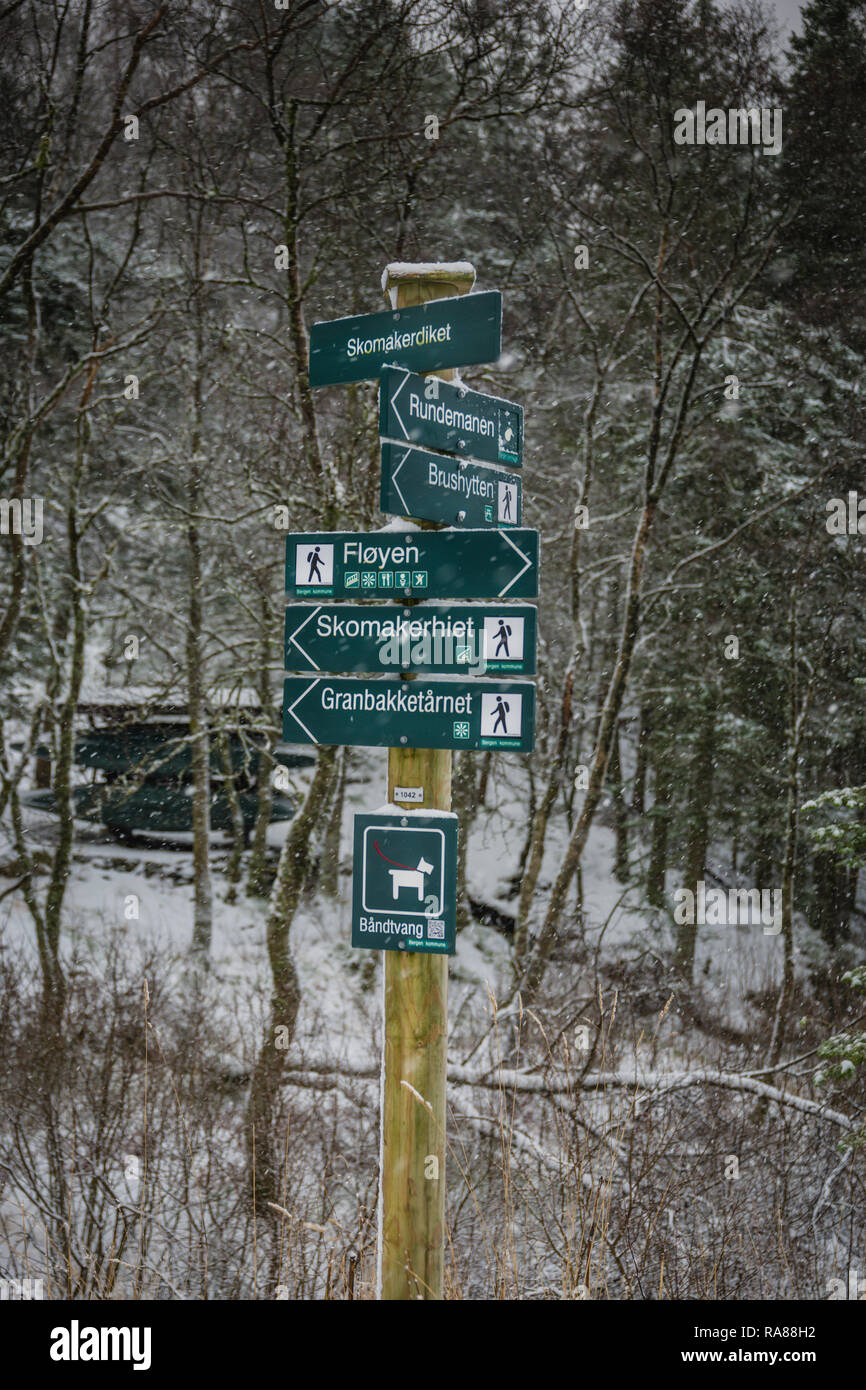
(415, 1043)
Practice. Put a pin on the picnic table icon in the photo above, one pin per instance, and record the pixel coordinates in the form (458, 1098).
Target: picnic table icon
(403, 876)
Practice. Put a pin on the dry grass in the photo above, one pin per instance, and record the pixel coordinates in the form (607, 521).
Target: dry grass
(125, 1171)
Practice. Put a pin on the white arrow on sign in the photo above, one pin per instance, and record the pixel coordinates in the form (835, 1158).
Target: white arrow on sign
(397, 485)
(527, 563)
(394, 405)
(291, 710)
(294, 643)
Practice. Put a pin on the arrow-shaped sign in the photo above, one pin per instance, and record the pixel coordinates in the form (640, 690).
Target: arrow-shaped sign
(412, 564)
(467, 639)
(418, 714)
(437, 415)
(433, 487)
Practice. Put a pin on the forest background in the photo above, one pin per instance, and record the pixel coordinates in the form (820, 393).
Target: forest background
(186, 187)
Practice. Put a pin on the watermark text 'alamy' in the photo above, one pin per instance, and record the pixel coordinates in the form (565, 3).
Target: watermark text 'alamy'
(739, 126)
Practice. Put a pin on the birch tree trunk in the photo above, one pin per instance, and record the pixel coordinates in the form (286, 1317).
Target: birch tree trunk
(198, 728)
(202, 928)
(638, 795)
(620, 812)
(463, 802)
(233, 868)
(329, 875)
(534, 971)
(257, 877)
(539, 831)
(798, 714)
(658, 860)
(697, 841)
(66, 731)
(286, 994)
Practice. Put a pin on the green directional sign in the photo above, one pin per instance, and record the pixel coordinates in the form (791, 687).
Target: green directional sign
(404, 889)
(383, 713)
(436, 415)
(433, 487)
(426, 337)
(443, 639)
(412, 564)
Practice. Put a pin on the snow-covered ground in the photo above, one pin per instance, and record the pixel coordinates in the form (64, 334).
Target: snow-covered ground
(110, 883)
(546, 1158)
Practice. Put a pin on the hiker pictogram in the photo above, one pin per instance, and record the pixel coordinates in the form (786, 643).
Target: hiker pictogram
(314, 563)
(507, 506)
(505, 639)
(502, 708)
(501, 716)
(502, 635)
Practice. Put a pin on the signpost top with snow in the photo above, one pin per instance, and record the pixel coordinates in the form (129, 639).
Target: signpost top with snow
(455, 277)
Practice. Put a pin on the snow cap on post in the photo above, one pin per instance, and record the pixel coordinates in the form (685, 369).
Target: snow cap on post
(455, 277)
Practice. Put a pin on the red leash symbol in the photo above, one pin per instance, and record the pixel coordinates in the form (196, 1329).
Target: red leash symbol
(387, 860)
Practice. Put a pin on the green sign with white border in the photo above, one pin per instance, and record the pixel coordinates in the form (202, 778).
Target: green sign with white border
(439, 639)
(404, 886)
(436, 414)
(456, 332)
(411, 563)
(434, 487)
(388, 713)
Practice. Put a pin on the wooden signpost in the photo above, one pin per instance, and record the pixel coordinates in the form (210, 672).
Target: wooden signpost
(404, 900)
